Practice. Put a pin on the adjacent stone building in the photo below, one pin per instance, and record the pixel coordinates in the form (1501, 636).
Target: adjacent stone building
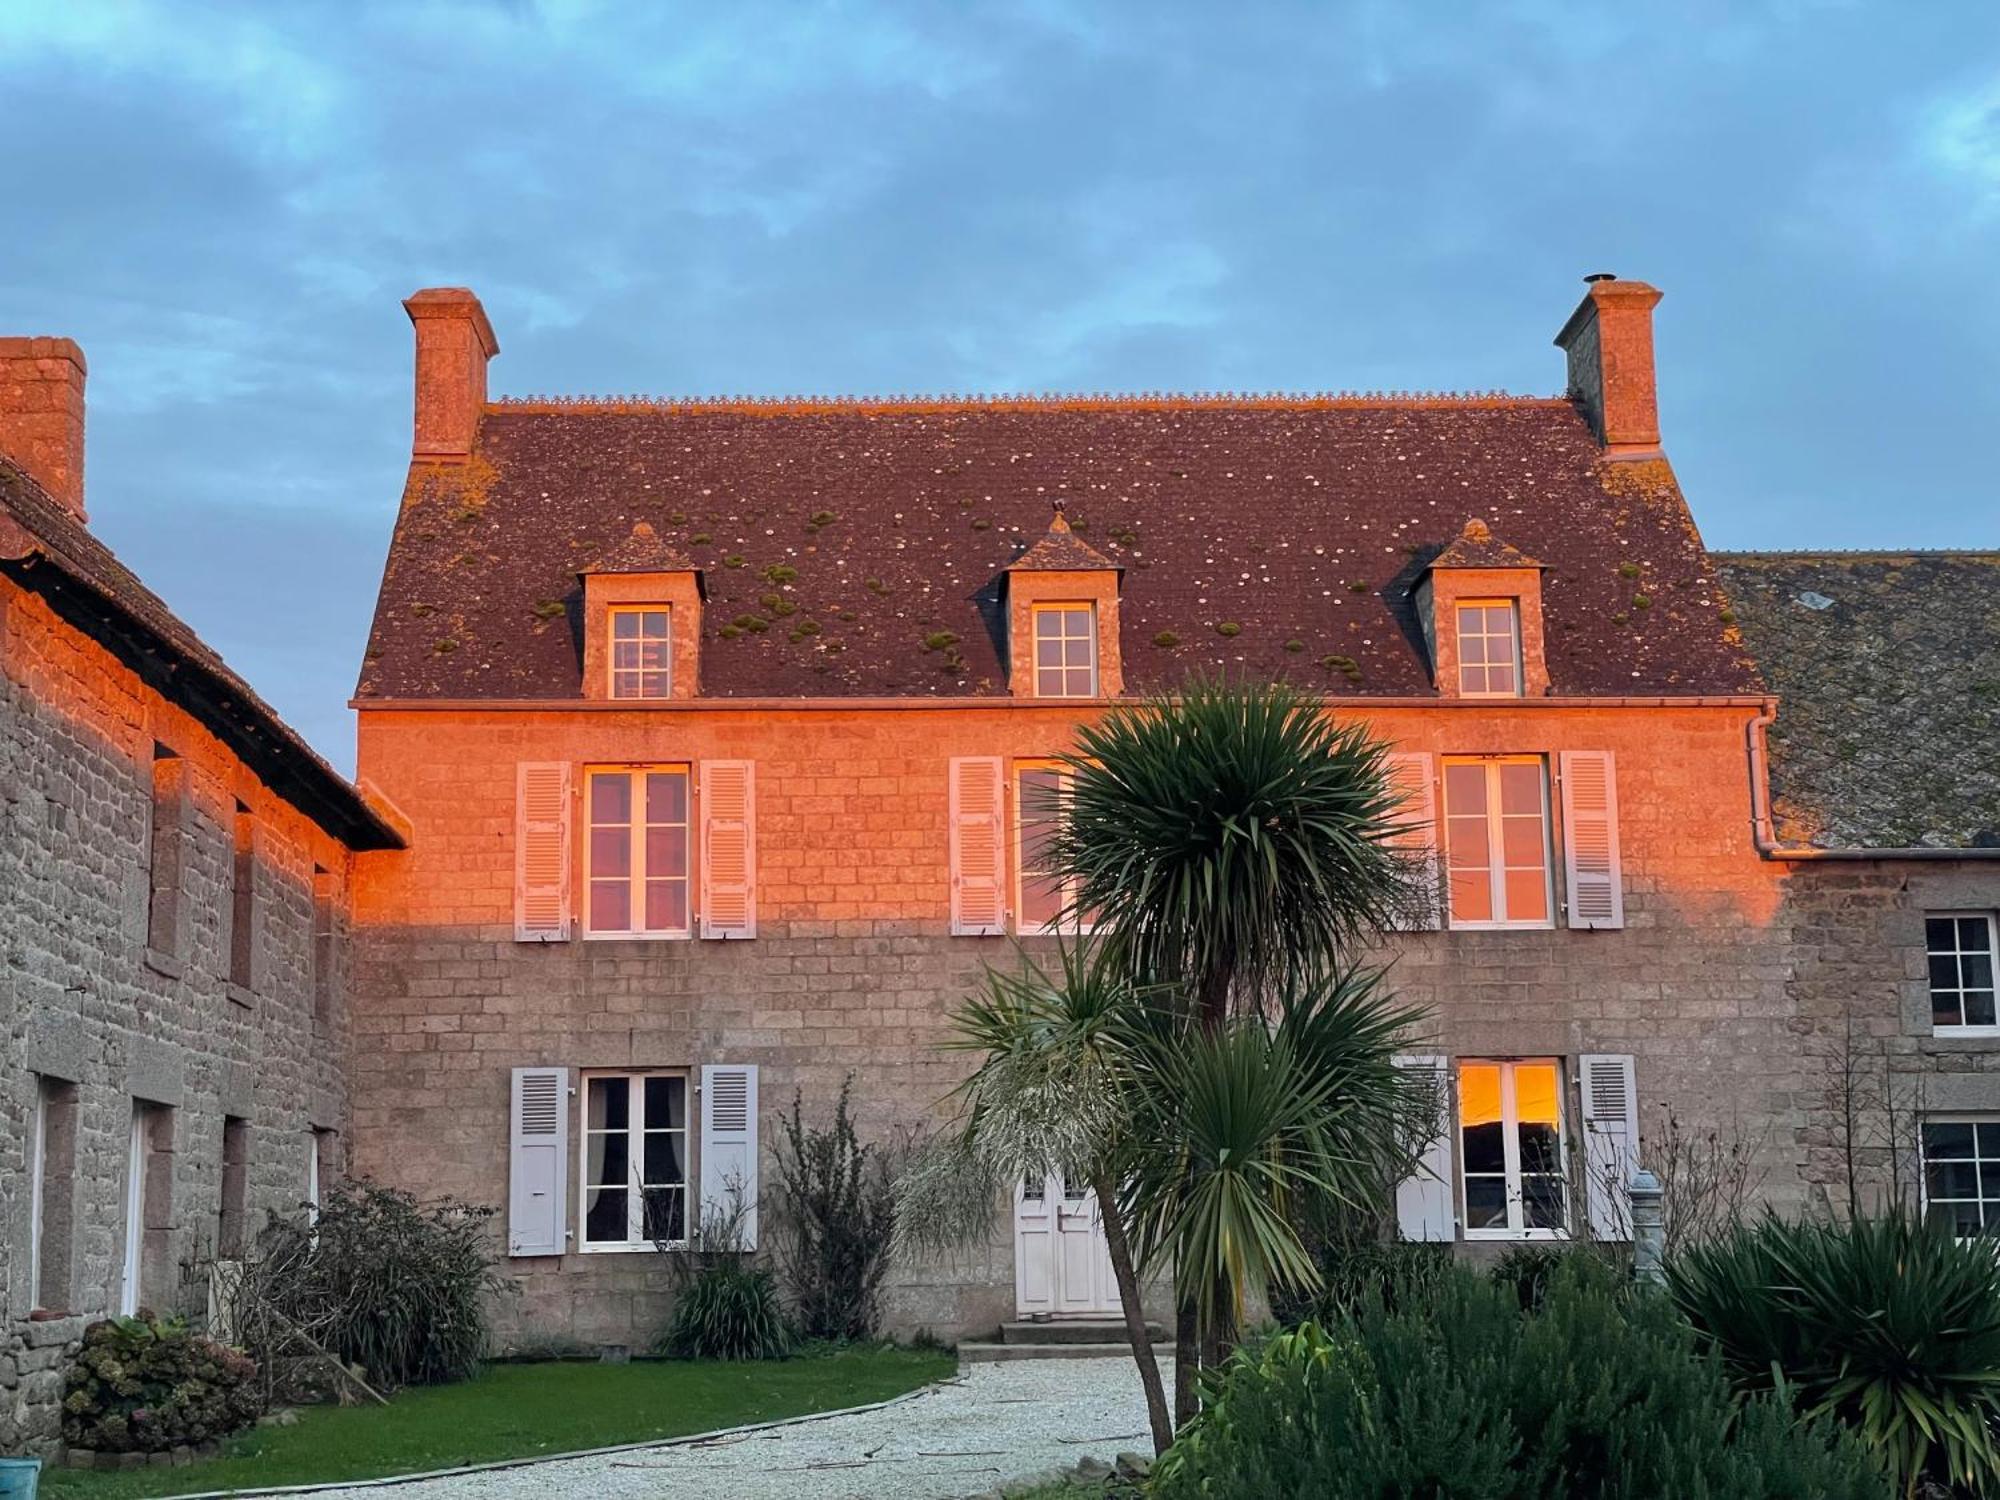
(174, 874)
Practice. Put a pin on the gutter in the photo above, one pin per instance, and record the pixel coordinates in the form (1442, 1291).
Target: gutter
(1764, 833)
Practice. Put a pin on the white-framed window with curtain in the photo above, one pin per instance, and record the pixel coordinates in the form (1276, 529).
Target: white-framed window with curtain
(1510, 1136)
(636, 875)
(634, 1178)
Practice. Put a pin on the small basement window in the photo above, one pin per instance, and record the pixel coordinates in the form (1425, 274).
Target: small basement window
(641, 660)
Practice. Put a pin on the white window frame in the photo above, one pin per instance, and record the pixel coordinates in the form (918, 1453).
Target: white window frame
(612, 616)
(39, 1166)
(1923, 1164)
(1074, 926)
(635, 1152)
(135, 1212)
(1049, 609)
(1513, 608)
(1496, 853)
(1510, 1139)
(636, 838)
(1992, 958)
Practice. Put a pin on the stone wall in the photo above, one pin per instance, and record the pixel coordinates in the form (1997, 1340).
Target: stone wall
(85, 1003)
(853, 969)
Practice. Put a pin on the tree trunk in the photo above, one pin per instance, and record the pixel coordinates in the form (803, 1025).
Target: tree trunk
(1187, 1360)
(1120, 1251)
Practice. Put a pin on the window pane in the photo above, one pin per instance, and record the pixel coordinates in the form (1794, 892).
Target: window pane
(610, 797)
(610, 1157)
(1484, 1149)
(666, 797)
(1499, 678)
(1527, 896)
(610, 906)
(1975, 971)
(1938, 932)
(1521, 843)
(1989, 1139)
(1979, 1007)
(1945, 1009)
(664, 1162)
(1948, 1138)
(1521, 789)
(654, 624)
(1471, 896)
(604, 1216)
(624, 625)
(1973, 935)
(1465, 788)
(1944, 972)
(666, 1103)
(1485, 1203)
(1041, 900)
(1542, 1202)
(666, 1213)
(1049, 653)
(610, 852)
(666, 852)
(666, 905)
(610, 1101)
(1541, 1148)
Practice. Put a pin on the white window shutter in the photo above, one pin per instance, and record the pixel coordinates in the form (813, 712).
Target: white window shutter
(1590, 839)
(541, 852)
(729, 1145)
(1610, 1141)
(1424, 1199)
(978, 852)
(1412, 778)
(538, 1162)
(728, 794)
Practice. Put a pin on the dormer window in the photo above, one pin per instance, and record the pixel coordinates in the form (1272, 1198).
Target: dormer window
(641, 651)
(1489, 648)
(1065, 651)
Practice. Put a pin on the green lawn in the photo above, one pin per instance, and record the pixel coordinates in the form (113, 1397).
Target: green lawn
(519, 1411)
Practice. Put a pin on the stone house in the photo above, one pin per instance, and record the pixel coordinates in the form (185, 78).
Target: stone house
(174, 870)
(721, 728)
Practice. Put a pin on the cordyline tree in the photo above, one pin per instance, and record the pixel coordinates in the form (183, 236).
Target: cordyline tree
(1217, 1059)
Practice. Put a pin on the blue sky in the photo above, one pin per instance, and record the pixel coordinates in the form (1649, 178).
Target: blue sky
(225, 205)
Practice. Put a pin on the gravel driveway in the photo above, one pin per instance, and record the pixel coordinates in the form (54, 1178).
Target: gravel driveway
(994, 1423)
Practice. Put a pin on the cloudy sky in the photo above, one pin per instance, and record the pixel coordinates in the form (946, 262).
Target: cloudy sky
(225, 205)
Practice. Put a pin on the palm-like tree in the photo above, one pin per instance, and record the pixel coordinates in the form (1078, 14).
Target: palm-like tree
(1239, 845)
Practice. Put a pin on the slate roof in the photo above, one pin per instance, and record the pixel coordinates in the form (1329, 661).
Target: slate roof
(1305, 522)
(642, 551)
(1887, 671)
(45, 549)
(1061, 550)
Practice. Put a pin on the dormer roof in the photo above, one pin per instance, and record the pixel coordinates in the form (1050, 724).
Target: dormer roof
(1061, 550)
(1478, 547)
(641, 552)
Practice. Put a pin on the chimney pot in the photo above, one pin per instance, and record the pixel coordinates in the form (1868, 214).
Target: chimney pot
(1609, 341)
(41, 414)
(454, 342)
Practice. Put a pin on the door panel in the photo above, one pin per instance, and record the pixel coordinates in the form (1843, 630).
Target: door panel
(1062, 1265)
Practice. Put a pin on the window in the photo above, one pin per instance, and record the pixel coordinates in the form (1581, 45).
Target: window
(52, 1195)
(1962, 1174)
(243, 902)
(322, 1164)
(1959, 948)
(635, 1160)
(1496, 818)
(1040, 896)
(233, 1202)
(641, 652)
(1065, 651)
(163, 906)
(637, 879)
(1510, 1139)
(1489, 648)
(149, 1186)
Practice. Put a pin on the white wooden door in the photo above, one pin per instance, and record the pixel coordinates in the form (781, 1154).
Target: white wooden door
(1062, 1267)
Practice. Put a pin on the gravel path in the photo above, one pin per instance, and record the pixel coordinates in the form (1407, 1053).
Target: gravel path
(993, 1424)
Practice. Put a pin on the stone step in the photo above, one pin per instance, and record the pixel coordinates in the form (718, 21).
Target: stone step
(987, 1352)
(1070, 1331)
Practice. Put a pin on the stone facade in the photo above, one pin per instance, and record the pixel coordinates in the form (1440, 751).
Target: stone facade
(120, 988)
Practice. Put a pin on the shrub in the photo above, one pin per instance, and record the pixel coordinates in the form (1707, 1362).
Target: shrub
(1890, 1324)
(727, 1310)
(145, 1385)
(383, 1281)
(837, 1215)
(1459, 1392)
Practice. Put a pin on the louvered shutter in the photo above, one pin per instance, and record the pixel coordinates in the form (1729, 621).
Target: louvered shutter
(541, 852)
(1590, 839)
(1411, 776)
(978, 862)
(1610, 1140)
(729, 1147)
(1424, 1198)
(538, 1162)
(728, 849)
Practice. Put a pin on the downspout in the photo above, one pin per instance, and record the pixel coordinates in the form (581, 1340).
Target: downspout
(1764, 833)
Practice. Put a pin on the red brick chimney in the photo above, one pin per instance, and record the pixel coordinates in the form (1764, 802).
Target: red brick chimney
(454, 341)
(1609, 341)
(41, 413)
